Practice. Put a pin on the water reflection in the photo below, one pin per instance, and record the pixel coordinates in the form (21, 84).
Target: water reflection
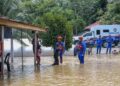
(98, 70)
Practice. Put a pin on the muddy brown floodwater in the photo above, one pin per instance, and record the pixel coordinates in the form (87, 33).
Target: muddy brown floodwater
(98, 70)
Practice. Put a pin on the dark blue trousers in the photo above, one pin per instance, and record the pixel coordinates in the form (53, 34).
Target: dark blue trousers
(81, 58)
(98, 49)
(109, 49)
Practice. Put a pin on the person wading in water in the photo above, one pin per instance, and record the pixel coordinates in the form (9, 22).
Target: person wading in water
(58, 50)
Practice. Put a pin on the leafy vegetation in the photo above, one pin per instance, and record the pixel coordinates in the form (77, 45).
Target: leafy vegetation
(65, 17)
(112, 15)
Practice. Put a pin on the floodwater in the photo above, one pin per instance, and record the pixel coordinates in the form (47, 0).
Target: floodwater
(98, 70)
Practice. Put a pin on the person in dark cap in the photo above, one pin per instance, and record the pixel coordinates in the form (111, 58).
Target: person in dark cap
(59, 50)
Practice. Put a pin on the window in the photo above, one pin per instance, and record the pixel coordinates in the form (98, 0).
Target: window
(75, 42)
(97, 32)
(87, 34)
(106, 31)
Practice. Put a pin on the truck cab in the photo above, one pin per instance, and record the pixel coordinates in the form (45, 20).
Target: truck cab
(88, 35)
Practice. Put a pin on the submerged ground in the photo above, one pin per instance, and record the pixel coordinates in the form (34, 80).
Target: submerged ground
(98, 70)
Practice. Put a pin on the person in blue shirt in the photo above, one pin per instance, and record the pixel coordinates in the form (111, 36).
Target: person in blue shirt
(99, 44)
(59, 50)
(109, 41)
(81, 47)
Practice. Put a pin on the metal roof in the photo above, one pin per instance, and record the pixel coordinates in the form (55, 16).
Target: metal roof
(92, 25)
(19, 25)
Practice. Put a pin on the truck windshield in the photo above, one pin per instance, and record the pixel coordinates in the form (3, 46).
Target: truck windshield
(87, 34)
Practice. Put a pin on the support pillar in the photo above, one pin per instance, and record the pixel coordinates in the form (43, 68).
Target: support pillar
(12, 48)
(22, 48)
(2, 50)
(35, 37)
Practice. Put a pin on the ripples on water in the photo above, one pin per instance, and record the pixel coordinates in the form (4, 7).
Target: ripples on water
(97, 71)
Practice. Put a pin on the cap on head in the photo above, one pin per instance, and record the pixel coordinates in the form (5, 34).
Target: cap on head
(80, 38)
(59, 37)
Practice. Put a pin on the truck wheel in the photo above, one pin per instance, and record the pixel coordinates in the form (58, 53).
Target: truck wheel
(113, 45)
(105, 44)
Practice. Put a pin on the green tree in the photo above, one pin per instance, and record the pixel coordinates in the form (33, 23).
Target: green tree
(78, 25)
(112, 15)
(9, 8)
(57, 24)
